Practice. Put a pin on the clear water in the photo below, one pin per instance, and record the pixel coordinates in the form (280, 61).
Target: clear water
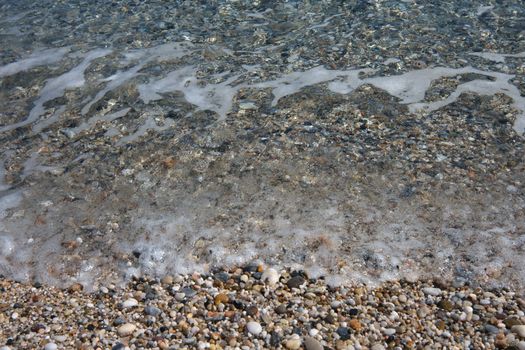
(359, 140)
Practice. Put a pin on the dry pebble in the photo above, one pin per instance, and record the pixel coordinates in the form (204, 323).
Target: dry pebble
(204, 312)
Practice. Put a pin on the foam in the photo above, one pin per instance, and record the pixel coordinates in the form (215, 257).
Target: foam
(409, 87)
(38, 58)
(497, 57)
(55, 87)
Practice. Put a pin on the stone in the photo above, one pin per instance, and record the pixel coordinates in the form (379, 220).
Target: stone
(221, 298)
(519, 330)
(126, 329)
(50, 346)
(343, 332)
(293, 342)
(521, 345)
(446, 305)
(167, 280)
(389, 331)
(281, 309)
(377, 347)
(295, 282)
(432, 291)
(312, 344)
(5, 347)
(75, 287)
(131, 302)
(355, 324)
(254, 328)
(152, 310)
(270, 276)
(491, 329)
(511, 322)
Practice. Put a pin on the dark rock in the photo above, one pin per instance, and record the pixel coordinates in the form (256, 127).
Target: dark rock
(295, 282)
(344, 333)
(281, 309)
(152, 310)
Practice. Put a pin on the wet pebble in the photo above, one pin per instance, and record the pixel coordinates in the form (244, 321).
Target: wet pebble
(295, 282)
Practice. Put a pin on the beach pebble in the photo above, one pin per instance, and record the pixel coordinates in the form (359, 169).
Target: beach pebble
(126, 329)
(377, 347)
(254, 327)
(152, 310)
(293, 342)
(130, 303)
(270, 276)
(5, 347)
(295, 282)
(312, 344)
(50, 346)
(432, 291)
(521, 345)
(519, 330)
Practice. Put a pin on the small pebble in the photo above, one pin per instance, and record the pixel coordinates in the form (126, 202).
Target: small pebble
(50, 346)
(270, 276)
(293, 342)
(126, 329)
(519, 330)
(432, 291)
(312, 344)
(254, 327)
(131, 302)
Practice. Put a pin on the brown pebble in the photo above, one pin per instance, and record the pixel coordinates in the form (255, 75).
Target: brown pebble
(355, 324)
(252, 310)
(75, 287)
(221, 298)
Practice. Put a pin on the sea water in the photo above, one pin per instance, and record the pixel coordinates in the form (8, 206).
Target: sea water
(107, 166)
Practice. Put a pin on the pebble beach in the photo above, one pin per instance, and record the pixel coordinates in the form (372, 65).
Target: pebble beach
(260, 308)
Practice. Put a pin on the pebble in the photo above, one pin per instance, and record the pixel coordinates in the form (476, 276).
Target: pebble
(221, 298)
(5, 347)
(126, 329)
(254, 327)
(270, 276)
(295, 282)
(355, 324)
(152, 310)
(521, 345)
(377, 347)
(312, 344)
(293, 342)
(50, 346)
(519, 330)
(432, 291)
(131, 302)
(389, 331)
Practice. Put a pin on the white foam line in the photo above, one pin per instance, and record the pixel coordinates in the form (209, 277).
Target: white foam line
(38, 58)
(165, 51)
(55, 87)
(497, 57)
(409, 87)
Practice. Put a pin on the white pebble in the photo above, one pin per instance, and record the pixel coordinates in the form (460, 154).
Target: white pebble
(313, 332)
(14, 315)
(521, 345)
(432, 291)
(270, 276)
(60, 338)
(519, 330)
(377, 347)
(402, 298)
(180, 296)
(293, 343)
(130, 303)
(126, 329)
(5, 347)
(389, 331)
(254, 328)
(50, 346)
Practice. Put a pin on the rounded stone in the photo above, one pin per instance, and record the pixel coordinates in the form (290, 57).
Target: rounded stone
(152, 310)
(50, 346)
(131, 302)
(295, 282)
(126, 329)
(312, 344)
(221, 299)
(432, 291)
(293, 343)
(519, 330)
(270, 276)
(254, 328)
(377, 347)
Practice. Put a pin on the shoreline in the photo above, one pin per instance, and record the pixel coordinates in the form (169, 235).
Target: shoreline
(260, 308)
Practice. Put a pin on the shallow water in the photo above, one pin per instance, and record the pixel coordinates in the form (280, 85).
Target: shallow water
(359, 140)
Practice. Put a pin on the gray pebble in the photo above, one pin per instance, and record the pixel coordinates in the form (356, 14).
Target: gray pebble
(312, 344)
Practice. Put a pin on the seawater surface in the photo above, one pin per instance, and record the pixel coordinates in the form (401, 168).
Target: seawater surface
(360, 141)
